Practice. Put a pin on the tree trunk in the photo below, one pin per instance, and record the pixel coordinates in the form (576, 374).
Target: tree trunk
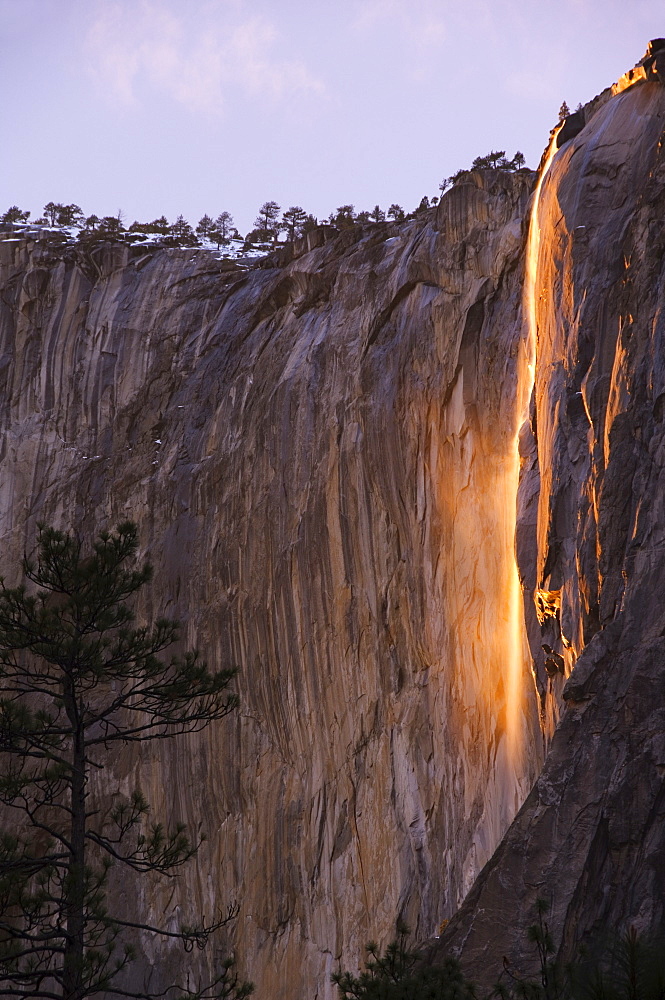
(72, 984)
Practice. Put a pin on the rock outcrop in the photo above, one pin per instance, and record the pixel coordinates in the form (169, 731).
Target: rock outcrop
(321, 457)
(590, 839)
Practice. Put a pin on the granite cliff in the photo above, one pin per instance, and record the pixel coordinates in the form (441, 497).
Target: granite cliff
(322, 457)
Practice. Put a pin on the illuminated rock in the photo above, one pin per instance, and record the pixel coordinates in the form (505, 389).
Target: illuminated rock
(322, 461)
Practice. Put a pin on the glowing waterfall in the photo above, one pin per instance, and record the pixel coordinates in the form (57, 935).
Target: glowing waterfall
(516, 644)
(525, 386)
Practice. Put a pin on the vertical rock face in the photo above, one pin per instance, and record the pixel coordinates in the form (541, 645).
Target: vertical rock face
(322, 461)
(590, 838)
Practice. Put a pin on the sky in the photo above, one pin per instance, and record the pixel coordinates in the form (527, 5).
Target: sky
(170, 107)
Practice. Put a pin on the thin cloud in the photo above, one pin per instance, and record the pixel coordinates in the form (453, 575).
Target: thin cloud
(134, 46)
(420, 24)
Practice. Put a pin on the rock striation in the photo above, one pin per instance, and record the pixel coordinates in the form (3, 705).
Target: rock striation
(321, 457)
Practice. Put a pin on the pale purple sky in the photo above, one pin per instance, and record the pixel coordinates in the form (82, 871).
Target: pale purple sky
(192, 106)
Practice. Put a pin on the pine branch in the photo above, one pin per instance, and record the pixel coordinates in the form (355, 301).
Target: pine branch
(77, 675)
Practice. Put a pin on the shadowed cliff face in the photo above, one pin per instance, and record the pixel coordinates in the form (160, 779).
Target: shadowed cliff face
(322, 459)
(590, 838)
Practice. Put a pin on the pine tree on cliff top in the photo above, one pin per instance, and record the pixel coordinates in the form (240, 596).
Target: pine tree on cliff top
(79, 678)
(293, 221)
(267, 221)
